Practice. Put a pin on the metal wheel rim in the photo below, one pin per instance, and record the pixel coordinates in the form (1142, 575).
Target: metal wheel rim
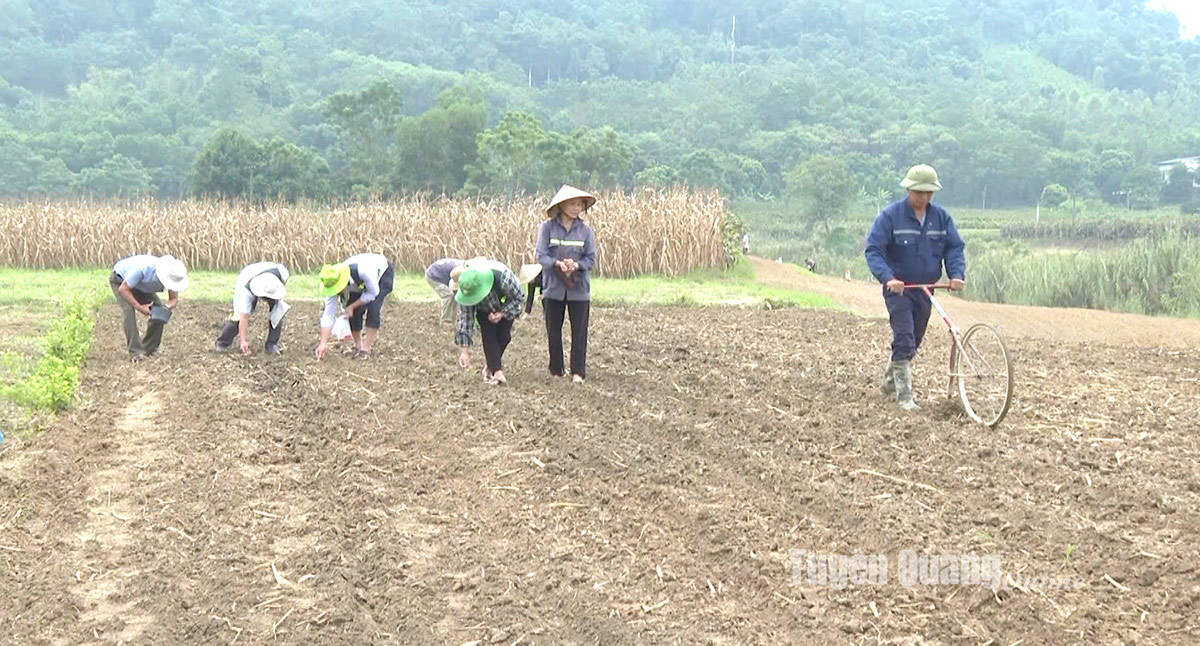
(1001, 376)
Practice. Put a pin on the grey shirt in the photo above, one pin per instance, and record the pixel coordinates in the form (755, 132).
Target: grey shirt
(439, 271)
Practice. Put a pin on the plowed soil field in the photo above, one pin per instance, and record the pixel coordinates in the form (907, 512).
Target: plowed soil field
(202, 499)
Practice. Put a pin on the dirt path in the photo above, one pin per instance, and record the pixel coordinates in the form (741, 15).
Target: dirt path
(104, 576)
(1016, 321)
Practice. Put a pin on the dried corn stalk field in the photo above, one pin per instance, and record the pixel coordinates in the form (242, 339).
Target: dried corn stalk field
(666, 232)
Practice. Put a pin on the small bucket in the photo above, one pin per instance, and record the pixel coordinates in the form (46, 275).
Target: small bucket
(160, 313)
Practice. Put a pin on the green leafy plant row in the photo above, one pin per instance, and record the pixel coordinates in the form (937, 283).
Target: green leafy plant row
(51, 382)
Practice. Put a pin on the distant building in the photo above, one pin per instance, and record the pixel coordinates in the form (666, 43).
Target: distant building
(1191, 163)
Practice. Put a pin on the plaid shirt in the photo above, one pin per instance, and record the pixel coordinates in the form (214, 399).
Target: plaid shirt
(506, 296)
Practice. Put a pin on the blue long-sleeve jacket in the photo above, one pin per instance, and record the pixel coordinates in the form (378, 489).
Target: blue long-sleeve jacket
(899, 246)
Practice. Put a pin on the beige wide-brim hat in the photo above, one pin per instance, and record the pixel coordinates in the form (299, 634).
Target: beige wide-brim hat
(171, 273)
(267, 286)
(921, 178)
(528, 273)
(569, 193)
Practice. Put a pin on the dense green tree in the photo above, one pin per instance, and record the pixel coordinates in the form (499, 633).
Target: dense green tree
(657, 177)
(118, 176)
(290, 172)
(1178, 188)
(603, 158)
(232, 165)
(821, 190)
(508, 156)
(26, 173)
(368, 122)
(434, 149)
(227, 166)
(1014, 95)
(1054, 195)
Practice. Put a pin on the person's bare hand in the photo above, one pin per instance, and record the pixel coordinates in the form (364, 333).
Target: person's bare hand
(144, 308)
(895, 286)
(957, 284)
(245, 348)
(495, 317)
(464, 358)
(320, 351)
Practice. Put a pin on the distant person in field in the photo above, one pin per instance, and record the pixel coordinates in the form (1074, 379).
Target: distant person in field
(260, 281)
(489, 294)
(438, 277)
(136, 282)
(810, 264)
(359, 285)
(746, 244)
(566, 250)
(909, 243)
(531, 277)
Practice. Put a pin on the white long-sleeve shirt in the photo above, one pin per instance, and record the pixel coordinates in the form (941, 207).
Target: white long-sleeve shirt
(365, 271)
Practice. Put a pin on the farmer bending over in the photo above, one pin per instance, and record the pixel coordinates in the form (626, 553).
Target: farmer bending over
(908, 244)
(360, 284)
(264, 281)
(489, 294)
(136, 281)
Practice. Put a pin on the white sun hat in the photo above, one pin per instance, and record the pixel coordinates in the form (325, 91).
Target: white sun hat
(568, 193)
(171, 273)
(267, 285)
(528, 273)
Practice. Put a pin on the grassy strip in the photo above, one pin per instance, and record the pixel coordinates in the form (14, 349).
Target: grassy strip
(736, 286)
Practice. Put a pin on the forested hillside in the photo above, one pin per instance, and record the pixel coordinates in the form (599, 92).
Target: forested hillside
(356, 97)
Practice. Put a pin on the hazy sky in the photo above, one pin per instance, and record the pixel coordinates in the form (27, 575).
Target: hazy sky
(1188, 12)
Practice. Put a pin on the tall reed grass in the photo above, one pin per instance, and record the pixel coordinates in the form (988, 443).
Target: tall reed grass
(1153, 275)
(667, 232)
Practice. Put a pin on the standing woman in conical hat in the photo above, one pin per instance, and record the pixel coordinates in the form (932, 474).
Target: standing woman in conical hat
(359, 284)
(257, 281)
(566, 250)
(909, 242)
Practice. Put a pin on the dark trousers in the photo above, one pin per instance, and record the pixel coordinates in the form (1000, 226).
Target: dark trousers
(579, 312)
(496, 337)
(908, 314)
(138, 345)
(375, 307)
(230, 329)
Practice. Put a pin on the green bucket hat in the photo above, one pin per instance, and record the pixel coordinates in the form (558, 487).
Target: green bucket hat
(473, 285)
(333, 279)
(921, 178)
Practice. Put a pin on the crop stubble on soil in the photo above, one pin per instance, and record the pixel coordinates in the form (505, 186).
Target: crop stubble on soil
(199, 498)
